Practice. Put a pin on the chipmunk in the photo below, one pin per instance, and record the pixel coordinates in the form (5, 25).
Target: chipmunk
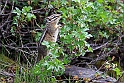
(50, 34)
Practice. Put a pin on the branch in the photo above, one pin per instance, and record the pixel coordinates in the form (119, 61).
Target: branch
(6, 73)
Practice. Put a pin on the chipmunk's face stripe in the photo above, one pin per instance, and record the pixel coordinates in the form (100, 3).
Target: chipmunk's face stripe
(53, 18)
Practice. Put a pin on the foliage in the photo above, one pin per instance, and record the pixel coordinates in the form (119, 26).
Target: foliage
(115, 68)
(23, 15)
(79, 17)
(73, 35)
(50, 64)
(82, 20)
(118, 72)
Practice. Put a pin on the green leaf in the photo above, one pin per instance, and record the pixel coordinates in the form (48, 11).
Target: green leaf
(100, 1)
(17, 11)
(30, 16)
(26, 9)
(76, 1)
(118, 72)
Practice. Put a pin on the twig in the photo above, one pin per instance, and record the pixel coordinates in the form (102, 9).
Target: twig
(20, 51)
(0, 5)
(4, 14)
(99, 47)
(6, 73)
(8, 16)
(103, 55)
(4, 7)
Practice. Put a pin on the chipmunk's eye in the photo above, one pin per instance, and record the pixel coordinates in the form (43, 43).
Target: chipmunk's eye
(48, 19)
(53, 16)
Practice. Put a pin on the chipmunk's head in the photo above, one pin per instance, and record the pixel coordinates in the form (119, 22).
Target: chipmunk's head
(53, 18)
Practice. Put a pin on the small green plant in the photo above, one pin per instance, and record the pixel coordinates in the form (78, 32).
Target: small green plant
(118, 72)
(23, 16)
(110, 67)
